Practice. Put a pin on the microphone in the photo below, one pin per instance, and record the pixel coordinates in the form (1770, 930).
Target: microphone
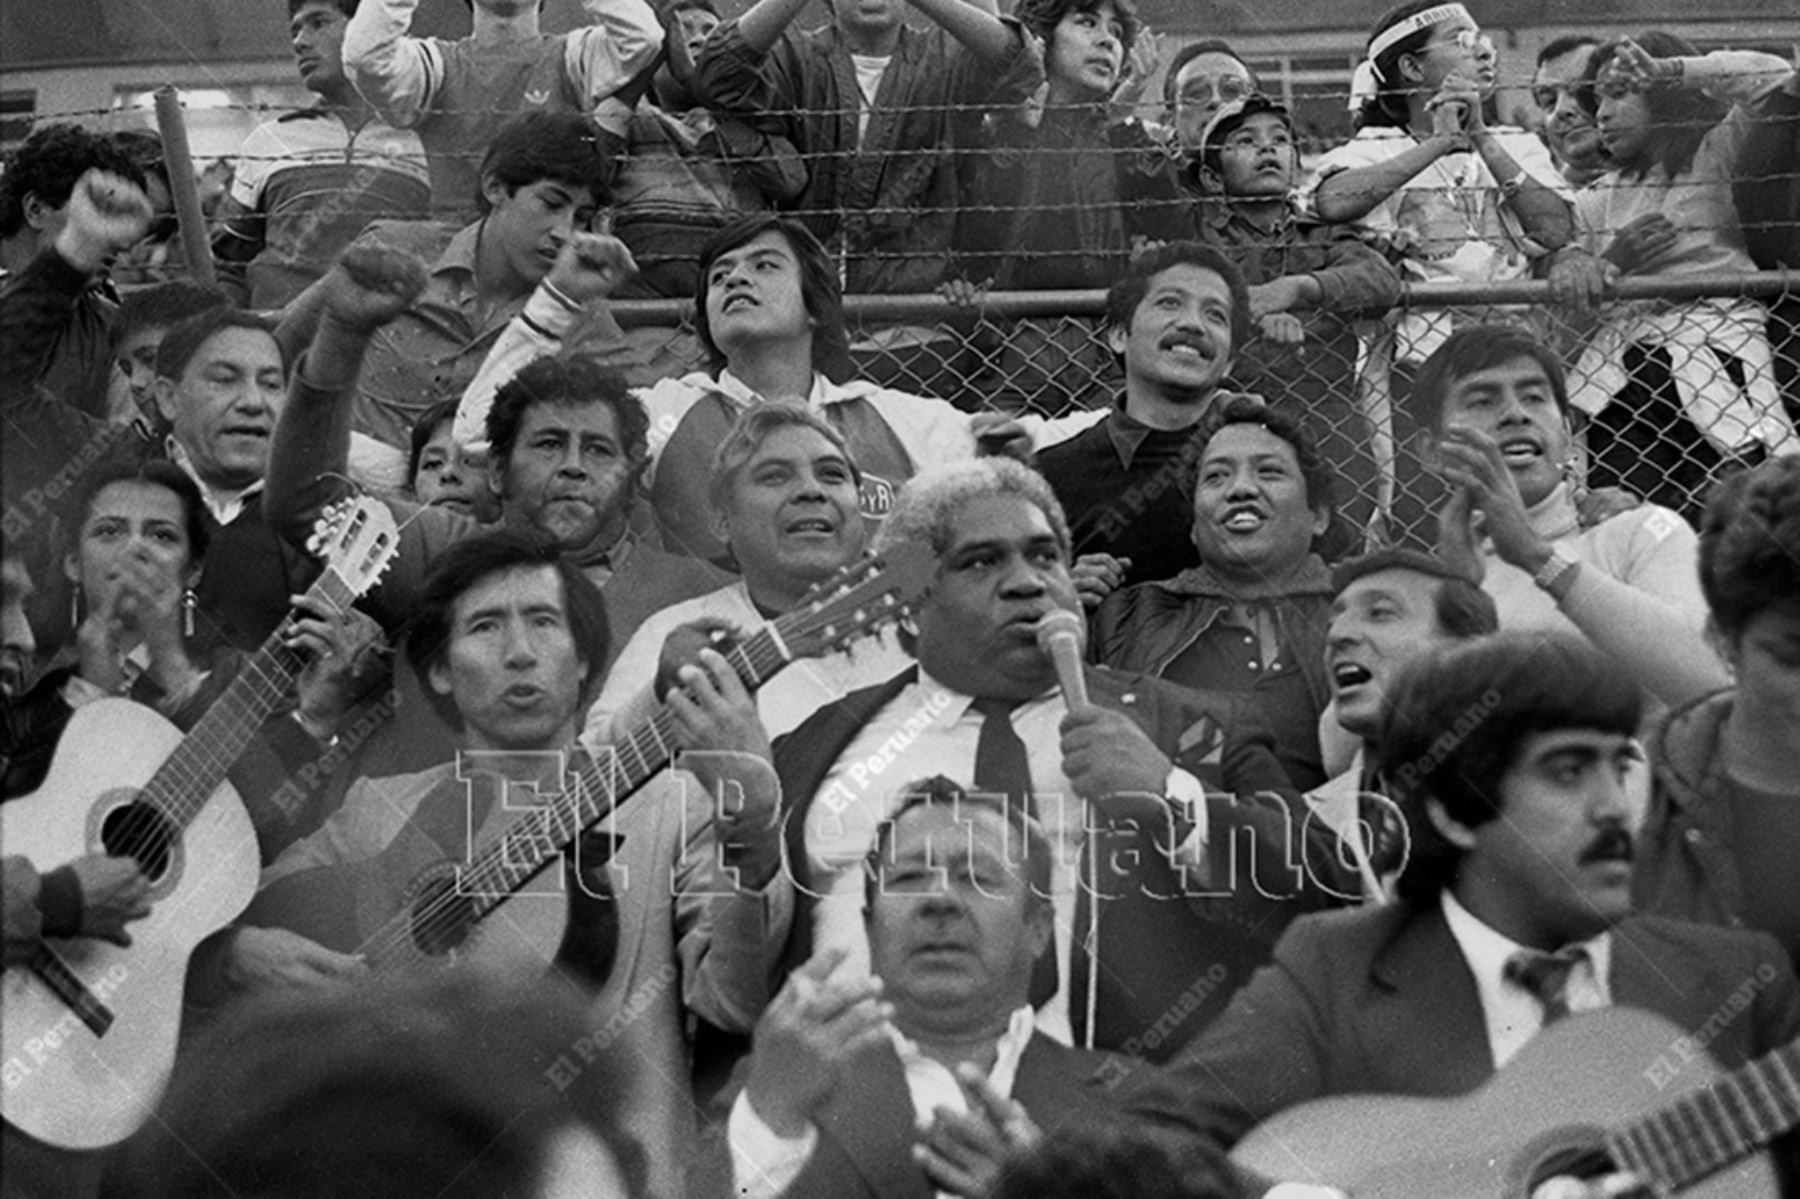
(1061, 634)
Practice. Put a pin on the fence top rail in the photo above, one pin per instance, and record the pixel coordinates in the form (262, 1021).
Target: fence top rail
(1092, 301)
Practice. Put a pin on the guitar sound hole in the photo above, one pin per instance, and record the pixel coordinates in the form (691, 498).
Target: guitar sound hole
(1585, 1162)
(141, 832)
(441, 919)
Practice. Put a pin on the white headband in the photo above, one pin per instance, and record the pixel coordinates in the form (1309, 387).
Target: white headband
(1365, 80)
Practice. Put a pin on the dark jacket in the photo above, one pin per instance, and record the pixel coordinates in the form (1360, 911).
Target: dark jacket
(866, 1129)
(886, 207)
(1381, 1000)
(1684, 865)
(1173, 964)
(1148, 626)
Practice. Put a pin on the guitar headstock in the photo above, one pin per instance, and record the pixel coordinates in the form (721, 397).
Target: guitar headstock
(356, 539)
(872, 591)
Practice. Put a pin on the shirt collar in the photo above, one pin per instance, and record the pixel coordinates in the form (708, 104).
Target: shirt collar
(946, 705)
(824, 391)
(459, 255)
(1008, 1050)
(225, 504)
(1486, 950)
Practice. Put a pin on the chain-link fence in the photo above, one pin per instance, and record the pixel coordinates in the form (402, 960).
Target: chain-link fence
(1664, 408)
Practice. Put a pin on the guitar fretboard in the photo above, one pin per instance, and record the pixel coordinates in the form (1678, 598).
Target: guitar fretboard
(183, 784)
(533, 841)
(1702, 1133)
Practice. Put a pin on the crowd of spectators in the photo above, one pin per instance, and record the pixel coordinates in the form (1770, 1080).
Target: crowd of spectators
(1297, 521)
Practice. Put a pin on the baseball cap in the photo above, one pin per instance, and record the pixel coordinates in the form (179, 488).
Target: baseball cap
(1232, 114)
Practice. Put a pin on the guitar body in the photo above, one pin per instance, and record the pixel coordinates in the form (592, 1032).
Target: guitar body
(350, 907)
(1552, 1103)
(63, 1083)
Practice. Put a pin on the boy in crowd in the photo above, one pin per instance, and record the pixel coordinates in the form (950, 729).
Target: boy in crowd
(307, 183)
(1307, 283)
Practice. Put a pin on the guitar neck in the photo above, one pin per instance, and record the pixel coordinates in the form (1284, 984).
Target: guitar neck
(531, 842)
(183, 784)
(1716, 1125)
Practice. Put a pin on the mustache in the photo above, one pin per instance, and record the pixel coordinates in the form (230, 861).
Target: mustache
(1612, 844)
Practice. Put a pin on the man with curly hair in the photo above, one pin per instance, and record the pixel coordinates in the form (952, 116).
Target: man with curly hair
(56, 303)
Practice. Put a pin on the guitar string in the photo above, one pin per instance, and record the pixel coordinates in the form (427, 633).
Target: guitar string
(759, 656)
(858, 614)
(173, 794)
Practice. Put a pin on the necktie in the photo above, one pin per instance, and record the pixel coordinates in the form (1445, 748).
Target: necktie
(1002, 766)
(1546, 976)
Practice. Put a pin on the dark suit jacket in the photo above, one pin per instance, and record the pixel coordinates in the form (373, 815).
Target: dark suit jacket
(1170, 957)
(1382, 1000)
(866, 1129)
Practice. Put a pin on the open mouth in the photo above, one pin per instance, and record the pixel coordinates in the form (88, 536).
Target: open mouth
(1187, 349)
(1243, 520)
(740, 300)
(813, 525)
(1521, 451)
(1351, 674)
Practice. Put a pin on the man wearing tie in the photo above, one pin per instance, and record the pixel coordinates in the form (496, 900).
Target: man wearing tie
(1508, 755)
(1175, 891)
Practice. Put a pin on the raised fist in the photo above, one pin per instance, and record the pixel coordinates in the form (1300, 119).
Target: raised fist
(106, 215)
(370, 286)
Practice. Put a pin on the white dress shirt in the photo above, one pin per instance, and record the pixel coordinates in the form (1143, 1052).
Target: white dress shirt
(764, 1163)
(1513, 1014)
(927, 730)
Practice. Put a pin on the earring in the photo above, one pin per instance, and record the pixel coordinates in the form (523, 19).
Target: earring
(187, 612)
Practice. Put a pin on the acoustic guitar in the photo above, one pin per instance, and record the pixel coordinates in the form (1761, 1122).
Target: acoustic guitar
(432, 898)
(1616, 1089)
(89, 1028)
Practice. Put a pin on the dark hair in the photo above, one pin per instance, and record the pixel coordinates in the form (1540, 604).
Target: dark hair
(47, 166)
(1567, 44)
(1029, 839)
(1249, 410)
(1389, 105)
(475, 559)
(186, 336)
(164, 305)
(1193, 50)
(1041, 17)
(144, 149)
(347, 7)
(155, 473)
(574, 382)
(1124, 296)
(820, 289)
(1680, 117)
(1463, 609)
(681, 6)
(425, 428)
(1121, 1161)
(563, 147)
(451, 1084)
(1458, 716)
(1478, 348)
(1750, 544)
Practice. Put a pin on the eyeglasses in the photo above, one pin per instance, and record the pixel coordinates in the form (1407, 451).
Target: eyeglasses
(1225, 89)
